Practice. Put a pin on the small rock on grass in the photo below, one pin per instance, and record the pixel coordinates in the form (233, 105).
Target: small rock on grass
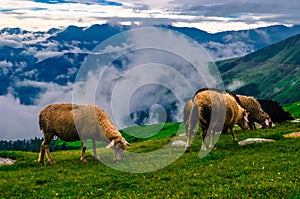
(255, 140)
(6, 161)
(178, 143)
(296, 121)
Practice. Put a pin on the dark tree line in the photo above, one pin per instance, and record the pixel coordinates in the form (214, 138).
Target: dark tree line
(32, 145)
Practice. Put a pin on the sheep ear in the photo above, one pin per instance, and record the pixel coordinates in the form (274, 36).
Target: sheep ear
(112, 143)
(127, 143)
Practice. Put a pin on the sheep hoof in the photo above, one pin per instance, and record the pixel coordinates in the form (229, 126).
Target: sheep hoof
(51, 162)
(41, 163)
(97, 158)
(83, 160)
(211, 146)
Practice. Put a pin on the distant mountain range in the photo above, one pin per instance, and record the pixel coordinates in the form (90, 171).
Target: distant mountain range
(269, 73)
(269, 69)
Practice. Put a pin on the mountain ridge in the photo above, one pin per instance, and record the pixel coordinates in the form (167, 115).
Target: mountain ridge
(271, 73)
(22, 59)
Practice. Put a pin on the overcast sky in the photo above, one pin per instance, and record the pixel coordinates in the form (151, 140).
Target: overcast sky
(209, 15)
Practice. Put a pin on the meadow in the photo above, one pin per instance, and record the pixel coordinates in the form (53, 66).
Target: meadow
(265, 170)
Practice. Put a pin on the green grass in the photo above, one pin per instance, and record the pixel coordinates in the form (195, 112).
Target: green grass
(75, 144)
(138, 134)
(294, 109)
(152, 132)
(268, 170)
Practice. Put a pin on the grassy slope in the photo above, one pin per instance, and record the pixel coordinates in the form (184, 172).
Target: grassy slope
(294, 109)
(267, 170)
(270, 73)
(266, 80)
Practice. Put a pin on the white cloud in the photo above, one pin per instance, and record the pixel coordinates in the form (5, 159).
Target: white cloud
(42, 55)
(212, 16)
(220, 51)
(51, 49)
(21, 121)
(53, 93)
(155, 61)
(5, 64)
(235, 84)
(265, 36)
(10, 43)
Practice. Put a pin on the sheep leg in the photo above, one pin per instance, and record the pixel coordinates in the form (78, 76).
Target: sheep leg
(204, 133)
(48, 154)
(41, 155)
(83, 158)
(252, 124)
(94, 150)
(188, 143)
(186, 129)
(42, 151)
(233, 136)
(190, 126)
(212, 140)
(45, 148)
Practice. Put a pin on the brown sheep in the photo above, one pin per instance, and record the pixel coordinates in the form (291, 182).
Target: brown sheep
(275, 111)
(256, 113)
(208, 102)
(71, 122)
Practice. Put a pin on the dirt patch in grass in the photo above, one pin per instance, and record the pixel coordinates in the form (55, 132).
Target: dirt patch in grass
(292, 135)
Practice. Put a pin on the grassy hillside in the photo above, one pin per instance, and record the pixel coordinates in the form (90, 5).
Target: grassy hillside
(268, 170)
(294, 109)
(270, 73)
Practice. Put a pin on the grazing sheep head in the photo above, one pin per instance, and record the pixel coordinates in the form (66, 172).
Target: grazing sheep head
(267, 123)
(244, 122)
(118, 145)
(270, 122)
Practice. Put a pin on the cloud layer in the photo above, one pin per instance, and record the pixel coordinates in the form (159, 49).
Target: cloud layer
(212, 16)
(147, 73)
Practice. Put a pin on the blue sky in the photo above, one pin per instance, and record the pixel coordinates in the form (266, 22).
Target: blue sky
(209, 15)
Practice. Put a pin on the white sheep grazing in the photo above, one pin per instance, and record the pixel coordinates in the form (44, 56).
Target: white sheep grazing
(208, 101)
(256, 113)
(71, 122)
